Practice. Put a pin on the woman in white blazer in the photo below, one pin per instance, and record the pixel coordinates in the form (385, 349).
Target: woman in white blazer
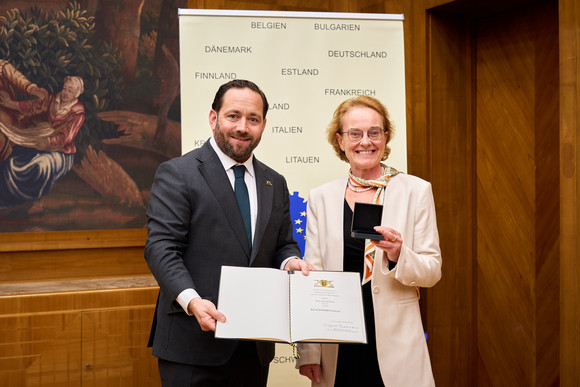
(406, 258)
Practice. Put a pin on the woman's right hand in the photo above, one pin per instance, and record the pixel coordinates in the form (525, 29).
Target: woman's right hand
(311, 371)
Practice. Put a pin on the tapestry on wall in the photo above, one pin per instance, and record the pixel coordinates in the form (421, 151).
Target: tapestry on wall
(89, 107)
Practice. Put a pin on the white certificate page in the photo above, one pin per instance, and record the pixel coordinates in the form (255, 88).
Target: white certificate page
(327, 306)
(255, 303)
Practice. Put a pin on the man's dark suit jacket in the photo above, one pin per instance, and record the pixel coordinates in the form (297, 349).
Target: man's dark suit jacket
(194, 228)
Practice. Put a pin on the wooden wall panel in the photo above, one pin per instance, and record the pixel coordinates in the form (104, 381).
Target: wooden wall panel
(569, 151)
(114, 351)
(270, 5)
(451, 314)
(57, 339)
(505, 200)
(46, 256)
(72, 264)
(517, 253)
(69, 240)
(40, 350)
(547, 188)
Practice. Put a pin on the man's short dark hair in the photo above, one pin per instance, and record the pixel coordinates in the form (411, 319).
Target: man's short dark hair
(238, 84)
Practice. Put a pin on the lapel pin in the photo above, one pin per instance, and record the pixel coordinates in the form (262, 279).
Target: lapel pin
(268, 182)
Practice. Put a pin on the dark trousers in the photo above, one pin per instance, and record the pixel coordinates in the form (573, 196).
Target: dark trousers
(242, 370)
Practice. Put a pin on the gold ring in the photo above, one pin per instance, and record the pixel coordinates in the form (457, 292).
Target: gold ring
(394, 239)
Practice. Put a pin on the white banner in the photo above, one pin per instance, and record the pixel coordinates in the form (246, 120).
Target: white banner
(306, 64)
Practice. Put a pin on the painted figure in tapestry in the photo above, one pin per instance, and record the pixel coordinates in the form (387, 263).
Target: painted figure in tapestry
(43, 149)
(13, 82)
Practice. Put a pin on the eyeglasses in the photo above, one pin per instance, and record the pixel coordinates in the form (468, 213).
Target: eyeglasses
(356, 135)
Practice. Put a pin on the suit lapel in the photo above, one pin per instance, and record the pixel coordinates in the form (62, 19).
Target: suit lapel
(265, 191)
(217, 180)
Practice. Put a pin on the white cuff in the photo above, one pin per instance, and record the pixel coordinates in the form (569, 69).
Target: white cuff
(185, 297)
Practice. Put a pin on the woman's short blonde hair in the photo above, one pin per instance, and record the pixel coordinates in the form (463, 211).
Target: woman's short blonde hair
(335, 126)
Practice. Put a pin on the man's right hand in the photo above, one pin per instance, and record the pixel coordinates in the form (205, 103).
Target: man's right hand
(206, 313)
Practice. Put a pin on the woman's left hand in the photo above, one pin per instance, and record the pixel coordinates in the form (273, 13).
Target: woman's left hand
(391, 242)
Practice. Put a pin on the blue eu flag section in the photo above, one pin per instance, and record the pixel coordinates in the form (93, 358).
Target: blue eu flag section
(298, 215)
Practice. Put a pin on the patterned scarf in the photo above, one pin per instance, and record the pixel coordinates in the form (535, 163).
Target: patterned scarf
(379, 198)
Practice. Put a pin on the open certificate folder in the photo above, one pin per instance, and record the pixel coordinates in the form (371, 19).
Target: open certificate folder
(286, 306)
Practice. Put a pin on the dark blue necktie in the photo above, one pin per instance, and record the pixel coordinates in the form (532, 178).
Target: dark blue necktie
(243, 199)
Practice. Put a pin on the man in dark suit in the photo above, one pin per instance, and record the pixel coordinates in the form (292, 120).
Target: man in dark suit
(195, 226)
